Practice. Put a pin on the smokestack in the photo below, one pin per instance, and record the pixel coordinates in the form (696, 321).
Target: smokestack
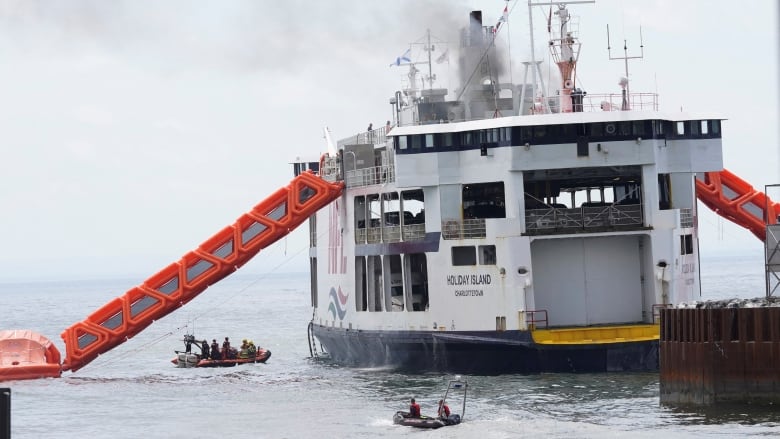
(475, 22)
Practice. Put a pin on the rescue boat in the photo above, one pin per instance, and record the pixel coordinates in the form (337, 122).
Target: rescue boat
(27, 355)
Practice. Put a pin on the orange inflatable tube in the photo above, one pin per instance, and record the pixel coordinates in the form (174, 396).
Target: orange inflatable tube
(182, 281)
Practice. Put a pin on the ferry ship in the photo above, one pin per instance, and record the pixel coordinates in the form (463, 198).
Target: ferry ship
(509, 230)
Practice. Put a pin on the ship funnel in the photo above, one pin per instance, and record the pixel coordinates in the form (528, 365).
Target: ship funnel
(475, 21)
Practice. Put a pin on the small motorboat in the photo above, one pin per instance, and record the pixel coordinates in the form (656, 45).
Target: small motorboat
(456, 385)
(403, 418)
(187, 358)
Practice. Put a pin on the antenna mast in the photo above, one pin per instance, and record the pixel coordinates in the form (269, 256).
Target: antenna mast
(624, 81)
(430, 48)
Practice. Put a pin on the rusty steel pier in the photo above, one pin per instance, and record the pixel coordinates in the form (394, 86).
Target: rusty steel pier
(721, 351)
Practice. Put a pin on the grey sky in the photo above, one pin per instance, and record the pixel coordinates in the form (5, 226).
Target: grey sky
(131, 131)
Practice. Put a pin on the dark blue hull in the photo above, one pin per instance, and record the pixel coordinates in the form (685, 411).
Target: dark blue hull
(480, 352)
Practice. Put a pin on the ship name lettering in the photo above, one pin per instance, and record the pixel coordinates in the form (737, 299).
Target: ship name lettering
(474, 279)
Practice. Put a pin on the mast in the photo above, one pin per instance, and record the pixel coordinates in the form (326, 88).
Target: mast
(569, 50)
(429, 48)
(624, 80)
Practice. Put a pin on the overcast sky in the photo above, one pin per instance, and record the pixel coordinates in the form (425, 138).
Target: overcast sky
(131, 131)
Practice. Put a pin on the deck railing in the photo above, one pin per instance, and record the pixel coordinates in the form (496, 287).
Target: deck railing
(465, 229)
(390, 233)
(369, 176)
(553, 219)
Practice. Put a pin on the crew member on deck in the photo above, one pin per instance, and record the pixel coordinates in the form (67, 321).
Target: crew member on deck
(204, 349)
(414, 409)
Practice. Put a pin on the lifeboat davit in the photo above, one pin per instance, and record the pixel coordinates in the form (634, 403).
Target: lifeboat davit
(27, 355)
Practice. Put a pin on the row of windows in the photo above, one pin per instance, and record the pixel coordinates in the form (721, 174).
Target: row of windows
(551, 134)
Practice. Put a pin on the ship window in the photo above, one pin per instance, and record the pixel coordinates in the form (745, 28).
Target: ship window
(639, 128)
(540, 132)
(487, 255)
(715, 126)
(429, 141)
(679, 128)
(360, 212)
(704, 128)
(566, 132)
(374, 211)
(361, 299)
(401, 142)
(464, 256)
(484, 200)
(466, 139)
(659, 127)
(686, 244)
(413, 204)
(624, 128)
(506, 134)
(527, 134)
(596, 129)
(610, 129)
(374, 284)
(694, 125)
(416, 281)
(416, 141)
(394, 289)
(448, 139)
(664, 192)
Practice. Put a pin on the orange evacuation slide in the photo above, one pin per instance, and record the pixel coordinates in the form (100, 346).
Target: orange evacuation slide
(735, 199)
(26, 355)
(178, 283)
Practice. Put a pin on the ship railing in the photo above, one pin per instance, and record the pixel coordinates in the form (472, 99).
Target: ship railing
(413, 232)
(657, 307)
(361, 236)
(555, 219)
(373, 234)
(609, 102)
(534, 318)
(465, 229)
(686, 217)
(390, 233)
(370, 176)
(374, 137)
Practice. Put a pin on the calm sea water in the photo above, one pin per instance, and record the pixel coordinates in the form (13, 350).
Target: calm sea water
(134, 391)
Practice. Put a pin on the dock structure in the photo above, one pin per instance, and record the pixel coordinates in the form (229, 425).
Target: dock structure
(721, 352)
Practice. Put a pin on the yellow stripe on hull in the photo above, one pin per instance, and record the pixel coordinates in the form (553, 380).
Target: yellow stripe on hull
(596, 334)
